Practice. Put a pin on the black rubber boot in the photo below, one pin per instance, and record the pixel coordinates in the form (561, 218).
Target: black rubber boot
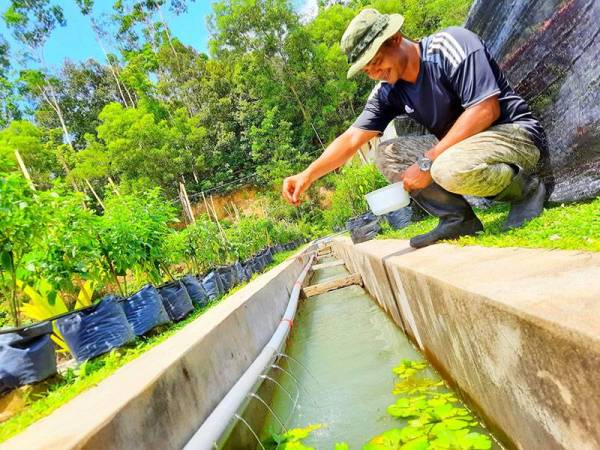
(456, 215)
(526, 194)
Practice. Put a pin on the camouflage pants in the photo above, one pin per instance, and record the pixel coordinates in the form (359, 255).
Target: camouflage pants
(478, 166)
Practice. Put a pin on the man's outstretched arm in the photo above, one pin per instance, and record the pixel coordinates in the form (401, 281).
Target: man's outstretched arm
(336, 154)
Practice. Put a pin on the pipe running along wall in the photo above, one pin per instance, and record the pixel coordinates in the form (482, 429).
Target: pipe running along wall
(207, 436)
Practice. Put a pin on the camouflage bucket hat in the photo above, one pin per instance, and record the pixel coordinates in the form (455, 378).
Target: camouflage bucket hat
(365, 34)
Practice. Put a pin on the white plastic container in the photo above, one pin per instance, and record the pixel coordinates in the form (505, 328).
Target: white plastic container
(388, 199)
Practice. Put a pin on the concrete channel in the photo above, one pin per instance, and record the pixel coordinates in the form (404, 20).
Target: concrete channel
(516, 331)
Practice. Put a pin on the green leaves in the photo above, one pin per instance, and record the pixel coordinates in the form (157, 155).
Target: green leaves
(434, 420)
(292, 439)
(350, 187)
(408, 368)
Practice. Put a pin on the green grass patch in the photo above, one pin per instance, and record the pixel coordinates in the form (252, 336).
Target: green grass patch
(568, 227)
(63, 388)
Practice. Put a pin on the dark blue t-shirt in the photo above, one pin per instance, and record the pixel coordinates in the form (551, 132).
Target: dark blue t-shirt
(456, 72)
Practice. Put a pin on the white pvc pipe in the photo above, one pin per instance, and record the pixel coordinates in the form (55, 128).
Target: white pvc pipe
(215, 425)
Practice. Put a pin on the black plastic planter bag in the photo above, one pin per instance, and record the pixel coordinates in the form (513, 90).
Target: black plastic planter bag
(240, 273)
(278, 248)
(212, 284)
(176, 299)
(399, 218)
(195, 290)
(248, 268)
(255, 264)
(145, 310)
(258, 263)
(268, 255)
(363, 228)
(226, 275)
(26, 356)
(95, 330)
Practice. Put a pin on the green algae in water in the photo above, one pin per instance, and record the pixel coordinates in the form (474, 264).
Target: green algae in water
(350, 352)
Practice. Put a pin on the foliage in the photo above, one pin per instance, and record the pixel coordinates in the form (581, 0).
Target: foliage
(434, 420)
(35, 147)
(20, 223)
(203, 246)
(44, 302)
(291, 439)
(350, 186)
(69, 247)
(131, 232)
(270, 96)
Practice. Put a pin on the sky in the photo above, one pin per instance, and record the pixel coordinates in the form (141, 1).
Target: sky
(76, 40)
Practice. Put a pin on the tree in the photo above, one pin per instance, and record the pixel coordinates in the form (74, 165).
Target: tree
(21, 222)
(36, 147)
(9, 106)
(82, 90)
(142, 147)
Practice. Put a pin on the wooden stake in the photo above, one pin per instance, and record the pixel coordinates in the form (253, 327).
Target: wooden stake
(24, 170)
(235, 209)
(94, 193)
(114, 186)
(206, 205)
(214, 211)
(185, 202)
(321, 288)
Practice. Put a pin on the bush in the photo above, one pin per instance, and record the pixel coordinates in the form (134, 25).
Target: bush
(350, 186)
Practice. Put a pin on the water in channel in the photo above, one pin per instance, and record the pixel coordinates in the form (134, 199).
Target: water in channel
(342, 350)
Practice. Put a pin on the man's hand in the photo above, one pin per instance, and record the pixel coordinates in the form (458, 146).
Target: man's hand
(295, 186)
(415, 179)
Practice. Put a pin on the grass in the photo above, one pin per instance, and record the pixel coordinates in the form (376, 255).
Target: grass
(63, 388)
(568, 227)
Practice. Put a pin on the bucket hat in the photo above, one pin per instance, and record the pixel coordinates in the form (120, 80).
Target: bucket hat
(365, 34)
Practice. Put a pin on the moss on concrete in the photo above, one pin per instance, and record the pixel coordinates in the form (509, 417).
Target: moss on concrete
(569, 227)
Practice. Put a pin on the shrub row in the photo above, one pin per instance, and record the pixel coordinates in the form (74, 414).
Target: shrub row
(27, 354)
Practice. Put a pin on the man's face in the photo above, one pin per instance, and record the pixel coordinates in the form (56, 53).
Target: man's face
(388, 63)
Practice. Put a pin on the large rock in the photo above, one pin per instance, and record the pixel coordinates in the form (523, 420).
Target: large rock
(550, 50)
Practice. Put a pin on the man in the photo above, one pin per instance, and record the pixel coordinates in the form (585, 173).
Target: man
(489, 142)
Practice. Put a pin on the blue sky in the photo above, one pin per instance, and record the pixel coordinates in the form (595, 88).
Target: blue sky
(76, 41)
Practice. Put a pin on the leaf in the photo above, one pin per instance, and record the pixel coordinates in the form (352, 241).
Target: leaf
(418, 444)
(408, 407)
(341, 446)
(84, 298)
(297, 434)
(389, 440)
(461, 440)
(415, 385)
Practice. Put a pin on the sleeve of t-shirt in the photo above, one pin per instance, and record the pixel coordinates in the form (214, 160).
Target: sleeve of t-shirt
(376, 115)
(474, 79)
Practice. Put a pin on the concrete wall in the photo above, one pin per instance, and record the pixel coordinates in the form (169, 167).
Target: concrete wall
(158, 400)
(517, 330)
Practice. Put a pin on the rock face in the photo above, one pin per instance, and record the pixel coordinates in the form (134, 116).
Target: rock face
(550, 52)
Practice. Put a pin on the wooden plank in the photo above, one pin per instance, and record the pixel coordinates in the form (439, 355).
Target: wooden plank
(324, 251)
(326, 265)
(321, 288)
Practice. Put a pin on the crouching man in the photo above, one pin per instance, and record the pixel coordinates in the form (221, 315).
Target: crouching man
(488, 145)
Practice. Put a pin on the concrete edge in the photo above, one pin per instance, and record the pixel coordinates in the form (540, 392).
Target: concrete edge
(515, 330)
(159, 399)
